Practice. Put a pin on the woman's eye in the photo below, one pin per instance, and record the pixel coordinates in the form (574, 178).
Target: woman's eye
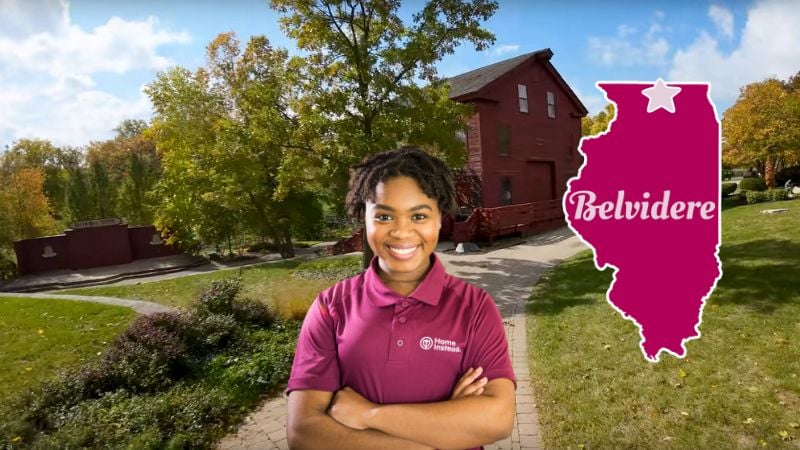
(383, 217)
(419, 217)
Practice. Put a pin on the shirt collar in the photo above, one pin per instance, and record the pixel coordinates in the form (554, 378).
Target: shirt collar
(429, 290)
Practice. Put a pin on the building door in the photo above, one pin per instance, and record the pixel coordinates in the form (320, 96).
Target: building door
(540, 181)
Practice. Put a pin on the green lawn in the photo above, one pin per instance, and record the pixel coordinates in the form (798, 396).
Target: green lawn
(278, 284)
(739, 386)
(40, 336)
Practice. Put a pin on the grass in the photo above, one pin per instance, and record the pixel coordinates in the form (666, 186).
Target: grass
(41, 336)
(738, 387)
(288, 286)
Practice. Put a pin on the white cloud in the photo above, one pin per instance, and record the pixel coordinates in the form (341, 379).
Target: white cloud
(503, 49)
(629, 48)
(767, 48)
(723, 19)
(47, 65)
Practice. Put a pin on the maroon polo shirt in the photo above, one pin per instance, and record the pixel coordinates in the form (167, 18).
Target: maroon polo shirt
(395, 349)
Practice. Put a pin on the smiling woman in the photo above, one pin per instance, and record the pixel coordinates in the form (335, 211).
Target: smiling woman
(403, 355)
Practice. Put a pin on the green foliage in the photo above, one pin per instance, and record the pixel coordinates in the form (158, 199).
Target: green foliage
(360, 81)
(752, 184)
(171, 380)
(218, 299)
(777, 194)
(728, 189)
(100, 192)
(224, 135)
(756, 196)
(79, 204)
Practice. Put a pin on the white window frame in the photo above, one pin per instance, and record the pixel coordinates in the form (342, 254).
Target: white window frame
(522, 94)
(551, 105)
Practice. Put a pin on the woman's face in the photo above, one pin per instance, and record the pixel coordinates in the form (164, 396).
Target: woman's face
(402, 226)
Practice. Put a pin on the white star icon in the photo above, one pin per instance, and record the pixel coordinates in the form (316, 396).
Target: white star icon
(661, 96)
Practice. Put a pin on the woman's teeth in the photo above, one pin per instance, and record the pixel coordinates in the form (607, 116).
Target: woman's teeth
(403, 251)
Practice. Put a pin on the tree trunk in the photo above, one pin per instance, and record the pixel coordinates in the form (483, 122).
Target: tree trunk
(769, 172)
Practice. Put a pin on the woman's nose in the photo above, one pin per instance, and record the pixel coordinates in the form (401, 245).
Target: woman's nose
(401, 228)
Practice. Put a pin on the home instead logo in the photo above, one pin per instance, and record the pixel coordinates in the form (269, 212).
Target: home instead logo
(439, 345)
(647, 201)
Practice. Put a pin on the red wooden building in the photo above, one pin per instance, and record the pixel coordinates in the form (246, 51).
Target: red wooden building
(522, 144)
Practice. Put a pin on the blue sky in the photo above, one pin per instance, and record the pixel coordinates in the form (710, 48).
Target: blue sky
(70, 71)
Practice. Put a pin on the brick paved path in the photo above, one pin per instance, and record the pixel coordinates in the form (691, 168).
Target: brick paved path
(508, 274)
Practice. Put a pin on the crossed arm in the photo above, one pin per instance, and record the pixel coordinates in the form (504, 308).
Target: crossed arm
(478, 413)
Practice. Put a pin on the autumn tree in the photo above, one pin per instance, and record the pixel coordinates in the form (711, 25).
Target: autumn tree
(593, 125)
(24, 206)
(763, 128)
(225, 133)
(40, 154)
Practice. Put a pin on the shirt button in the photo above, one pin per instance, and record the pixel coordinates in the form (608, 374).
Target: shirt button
(402, 320)
(399, 342)
(404, 304)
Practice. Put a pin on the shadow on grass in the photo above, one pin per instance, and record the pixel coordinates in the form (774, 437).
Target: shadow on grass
(576, 282)
(762, 274)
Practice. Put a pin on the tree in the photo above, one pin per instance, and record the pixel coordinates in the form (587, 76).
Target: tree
(40, 154)
(597, 124)
(130, 128)
(224, 133)
(132, 167)
(763, 128)
(360, 80)
(24, 206)
(100, 192)
(79, 202)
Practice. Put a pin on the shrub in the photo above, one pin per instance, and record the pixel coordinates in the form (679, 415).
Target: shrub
(756, 197)
(218, 299)
(752, 184)
(728, 189)
(253, 312)
(777, 194)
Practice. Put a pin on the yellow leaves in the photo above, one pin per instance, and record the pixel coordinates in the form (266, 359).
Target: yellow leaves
(16, 439)
(40, 333)
(748, 421)
(684, 413)
(784, 435)
(682, 373)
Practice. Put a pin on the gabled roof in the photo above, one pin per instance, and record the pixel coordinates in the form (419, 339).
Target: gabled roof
(464, 86)
(474, 80)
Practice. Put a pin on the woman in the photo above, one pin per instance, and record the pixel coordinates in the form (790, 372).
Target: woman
(403, 355)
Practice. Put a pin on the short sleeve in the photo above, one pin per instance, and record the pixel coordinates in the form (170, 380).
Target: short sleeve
(316, 364)
(488, 347)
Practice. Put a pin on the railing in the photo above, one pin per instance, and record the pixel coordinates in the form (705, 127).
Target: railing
(489, 223)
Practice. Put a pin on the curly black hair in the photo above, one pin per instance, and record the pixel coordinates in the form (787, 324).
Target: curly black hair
(431, 174)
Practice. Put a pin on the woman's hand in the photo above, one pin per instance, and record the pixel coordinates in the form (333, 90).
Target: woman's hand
(470, 384)
(350, 408)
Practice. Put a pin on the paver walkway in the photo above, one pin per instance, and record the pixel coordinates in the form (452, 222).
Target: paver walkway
(508, 274)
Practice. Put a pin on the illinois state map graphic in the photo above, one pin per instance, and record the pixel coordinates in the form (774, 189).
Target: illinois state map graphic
(647, 201)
